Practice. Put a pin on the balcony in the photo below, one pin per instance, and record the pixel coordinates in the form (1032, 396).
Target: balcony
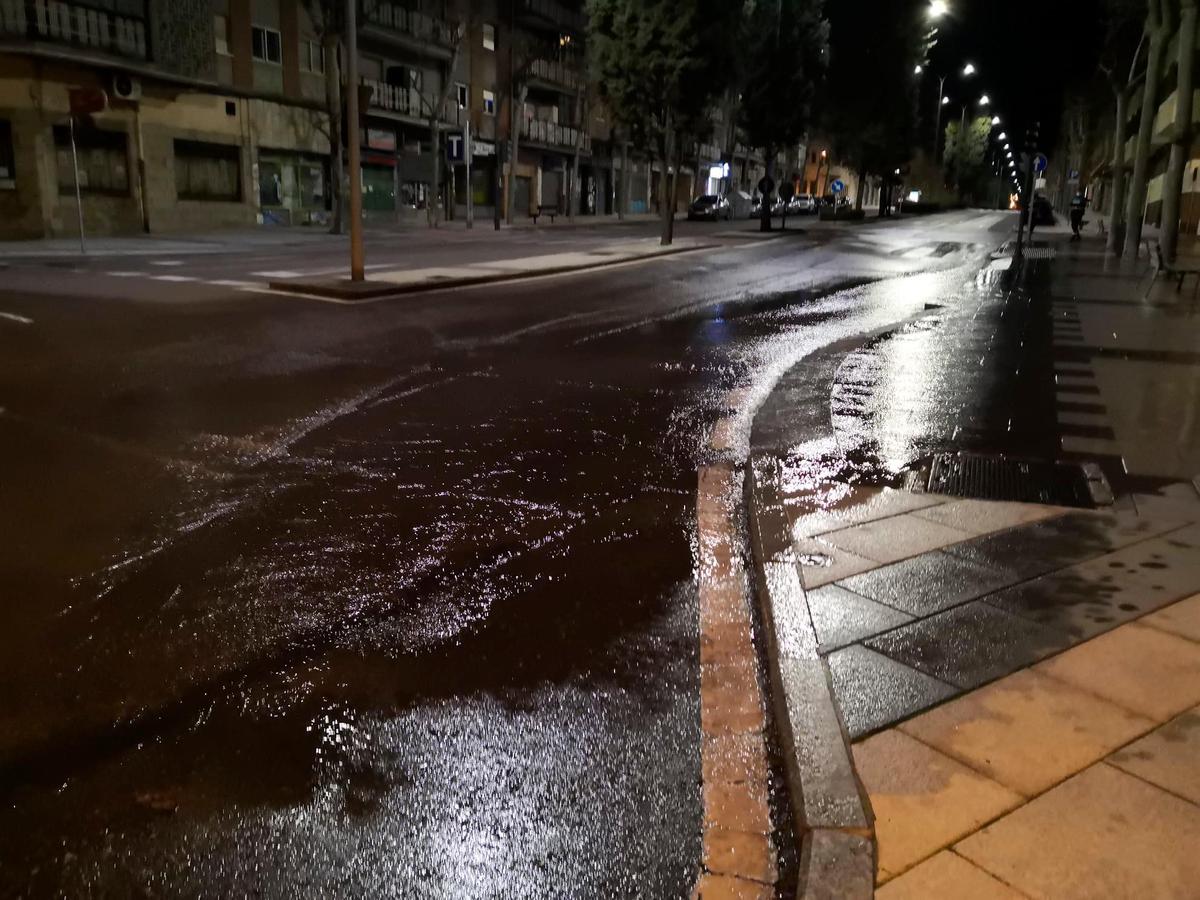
(392, 24)
(408, 102)
(563, 76)
(551, 15)
(551, 134)
(76, 24)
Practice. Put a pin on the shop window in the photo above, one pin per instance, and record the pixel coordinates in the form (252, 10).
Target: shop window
(221, 33)
(461, 89)
(489, 37)
(206, 171)
(270, 183)
(266, 45)
(312, 185)
(312, 57)
(489, 103)
(103, 160)
(8, 169)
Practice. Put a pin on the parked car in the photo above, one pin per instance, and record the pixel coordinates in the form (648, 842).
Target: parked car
(710, 207)
(802, 205)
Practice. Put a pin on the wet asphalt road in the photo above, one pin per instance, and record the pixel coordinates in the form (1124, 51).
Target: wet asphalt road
(394, 600)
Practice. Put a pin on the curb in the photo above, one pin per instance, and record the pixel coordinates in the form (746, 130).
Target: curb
(834, 822)
(344, 289)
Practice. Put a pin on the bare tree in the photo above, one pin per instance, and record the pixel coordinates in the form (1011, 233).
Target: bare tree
(433, 107)
(329, 21)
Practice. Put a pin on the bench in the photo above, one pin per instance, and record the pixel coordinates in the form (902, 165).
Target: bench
(1175, 271)
(545, 210)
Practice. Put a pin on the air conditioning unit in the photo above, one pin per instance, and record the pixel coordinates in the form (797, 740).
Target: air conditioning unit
(126, 87)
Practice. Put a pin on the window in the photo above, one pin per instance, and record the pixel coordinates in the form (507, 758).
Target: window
(270, 183)
(489, 103)
(489, 37)
(312, 57)
(206, 171)
(103, 161)
(221, 32)
(8, 172)
(462, 95)
(266, 45)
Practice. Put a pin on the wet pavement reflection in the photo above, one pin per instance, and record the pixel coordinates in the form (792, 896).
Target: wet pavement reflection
(436, 637)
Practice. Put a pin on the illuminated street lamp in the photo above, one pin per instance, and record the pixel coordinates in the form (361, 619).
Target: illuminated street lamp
(937, 9)
(995, 120)
(969, 70)
(918, 70)
(985, 100)
(1004, 137)
(945, 100)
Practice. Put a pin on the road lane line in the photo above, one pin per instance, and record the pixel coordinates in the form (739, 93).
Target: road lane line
(174, 278)
(166, 262)
(127, 274)
(23, 320)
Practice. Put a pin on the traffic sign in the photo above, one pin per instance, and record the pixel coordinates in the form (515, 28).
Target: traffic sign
(838, 186)
(1040, 162)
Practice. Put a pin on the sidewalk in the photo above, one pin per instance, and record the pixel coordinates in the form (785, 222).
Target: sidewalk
(1017, 683)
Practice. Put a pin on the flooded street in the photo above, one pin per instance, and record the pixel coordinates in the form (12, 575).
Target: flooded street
(399, 600)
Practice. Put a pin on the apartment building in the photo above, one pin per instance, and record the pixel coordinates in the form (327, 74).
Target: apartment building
(217, 115)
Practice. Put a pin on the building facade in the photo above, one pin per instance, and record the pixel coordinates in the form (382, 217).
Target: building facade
(218, 116)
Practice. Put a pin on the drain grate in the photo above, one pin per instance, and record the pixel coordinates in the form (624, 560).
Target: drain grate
(986, 477)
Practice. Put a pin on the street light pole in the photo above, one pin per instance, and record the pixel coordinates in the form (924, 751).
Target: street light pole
(937, 127)
(352, 128)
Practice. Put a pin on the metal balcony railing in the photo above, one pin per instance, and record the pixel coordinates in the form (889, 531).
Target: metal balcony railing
(78, 24)
(417, 25)
(554, 135)
(554, 12)
(408, 102)
(556, 72)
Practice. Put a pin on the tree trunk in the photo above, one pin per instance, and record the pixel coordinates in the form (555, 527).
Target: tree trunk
(623, 184)
(514, 139)
(1116, 213)
(1135, 207)
(1182, 138)
(764, 212)
(862, 184)
(666, 202)
(573, 195)
(333, 101)
(435, 200)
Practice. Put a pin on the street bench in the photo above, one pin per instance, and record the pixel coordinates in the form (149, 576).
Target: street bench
(1172, 270)
(545, 210)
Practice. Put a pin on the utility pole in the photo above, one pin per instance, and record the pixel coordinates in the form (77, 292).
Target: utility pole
(353, 125)
(467, 158)
(937, 127)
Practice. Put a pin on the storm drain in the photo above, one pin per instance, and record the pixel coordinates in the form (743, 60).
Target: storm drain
(985, 477)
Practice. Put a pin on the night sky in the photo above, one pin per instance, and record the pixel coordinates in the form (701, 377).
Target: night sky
(1028, 53)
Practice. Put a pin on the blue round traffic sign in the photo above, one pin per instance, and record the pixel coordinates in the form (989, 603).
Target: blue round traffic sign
(837, 186)
(1040, 162)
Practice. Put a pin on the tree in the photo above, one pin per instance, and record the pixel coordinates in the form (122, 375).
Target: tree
(433, 107)
(788, 51)
(965, 158)
(1158, 30)
(869, 106)
(328, 18)
(658, 65)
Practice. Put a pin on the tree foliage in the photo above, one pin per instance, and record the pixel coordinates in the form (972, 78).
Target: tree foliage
(966, 158)
(869, 107)
(658, 65)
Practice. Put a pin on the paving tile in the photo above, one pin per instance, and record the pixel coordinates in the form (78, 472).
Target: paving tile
(1027, 731)
(1168, 757)
(985, 516)
(923, 800)
(1144, 670)
(1091, 597)
(725, 887)
(841, 866)
(822, 563)
(842, 617)
(740, 854)
(1182, 618)
(969, 644)
(862, 505)
(928, 583)
(946, 876)
(873, 691)
(1052, 544)
(733, 757)
(896, 538)
(1154, 506)
(1102, 833)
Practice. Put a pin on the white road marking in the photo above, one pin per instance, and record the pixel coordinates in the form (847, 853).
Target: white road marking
(280, 274)
(167, 262)
(126, 274)
(174, 278)
(15, 318)
(233, 283)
